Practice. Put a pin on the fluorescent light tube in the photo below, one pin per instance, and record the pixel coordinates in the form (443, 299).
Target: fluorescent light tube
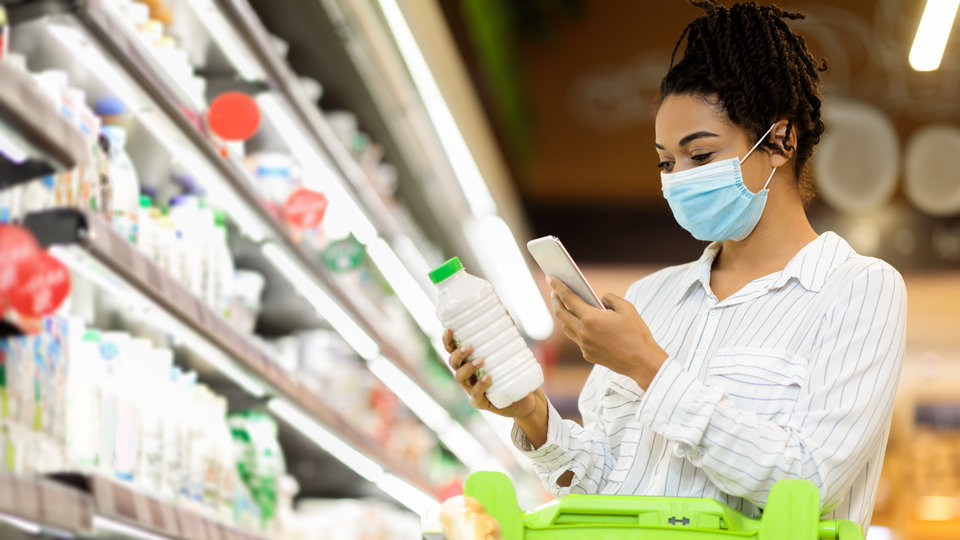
(429, 411)
(318, 173)
(413, 297)
(451, 139)
(324, 438)
(225, 35)
(326, 307)
(932, 34)
(406, 494)
(110, 525)
(460, 441)
(10, 148)
(504, 263)
(24, 525)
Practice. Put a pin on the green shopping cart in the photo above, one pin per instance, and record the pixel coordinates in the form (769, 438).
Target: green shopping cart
(792, 513)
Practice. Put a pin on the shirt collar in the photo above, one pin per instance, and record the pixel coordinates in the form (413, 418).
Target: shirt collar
(699, 272)
(810, 266)
(815, 262)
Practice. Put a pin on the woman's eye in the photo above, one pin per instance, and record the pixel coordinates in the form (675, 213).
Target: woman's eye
(665, 166)
(700, 158)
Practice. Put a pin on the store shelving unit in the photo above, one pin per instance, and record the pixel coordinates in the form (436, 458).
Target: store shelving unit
(34, 139)
(250, 367)
(130, 53)
(244, 363)
(80, 506)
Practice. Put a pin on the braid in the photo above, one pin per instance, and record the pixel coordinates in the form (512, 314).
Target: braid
(760, 71)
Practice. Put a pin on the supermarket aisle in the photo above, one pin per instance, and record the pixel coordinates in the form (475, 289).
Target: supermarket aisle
(213, 302)
(217, 219)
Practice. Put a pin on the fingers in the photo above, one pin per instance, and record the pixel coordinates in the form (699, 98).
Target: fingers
(459, 356)
(616, 303)
(478, 396)
(449, 343)
(466, 372)
(574, 303)
(567, 319)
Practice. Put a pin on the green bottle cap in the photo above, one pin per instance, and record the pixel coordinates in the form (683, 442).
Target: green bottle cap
(446, 270)
(145, 201)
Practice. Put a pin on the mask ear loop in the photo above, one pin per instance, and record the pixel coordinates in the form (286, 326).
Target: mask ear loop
(763, 138)
(769, 178)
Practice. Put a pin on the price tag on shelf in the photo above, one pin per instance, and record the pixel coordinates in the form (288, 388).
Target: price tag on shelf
(305, 208)
(44, 285)
(17, 246)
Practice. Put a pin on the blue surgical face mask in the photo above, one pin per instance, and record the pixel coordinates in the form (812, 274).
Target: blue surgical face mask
(712, 202)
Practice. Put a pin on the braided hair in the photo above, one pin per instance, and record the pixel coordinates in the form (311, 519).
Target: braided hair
(748, 60)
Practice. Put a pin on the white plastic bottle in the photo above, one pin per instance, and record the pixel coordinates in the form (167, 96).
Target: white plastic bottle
(470, 307)
(124, 181)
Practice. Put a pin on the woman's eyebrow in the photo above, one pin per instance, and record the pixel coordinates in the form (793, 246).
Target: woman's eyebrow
(690, 138)
(694, 136)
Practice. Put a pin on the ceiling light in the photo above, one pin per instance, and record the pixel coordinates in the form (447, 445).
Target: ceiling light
(932, 34)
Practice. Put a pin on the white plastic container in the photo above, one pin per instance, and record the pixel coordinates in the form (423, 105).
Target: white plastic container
(124, 181)
(470, 307)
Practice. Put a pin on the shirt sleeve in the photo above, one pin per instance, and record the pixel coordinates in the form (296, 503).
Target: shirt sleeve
(570, 447)
(840, 417)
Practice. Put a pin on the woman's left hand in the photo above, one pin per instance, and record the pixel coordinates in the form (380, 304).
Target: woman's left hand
(616, 338)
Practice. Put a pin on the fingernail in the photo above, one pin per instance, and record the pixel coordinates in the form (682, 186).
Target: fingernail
(477, 361)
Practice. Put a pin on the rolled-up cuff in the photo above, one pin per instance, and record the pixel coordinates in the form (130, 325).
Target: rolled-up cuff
(678, 406)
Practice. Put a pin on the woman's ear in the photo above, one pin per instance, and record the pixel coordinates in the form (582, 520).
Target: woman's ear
(783, 139)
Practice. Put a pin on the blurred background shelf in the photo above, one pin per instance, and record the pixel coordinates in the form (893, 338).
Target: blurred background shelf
(35, 140)
(246, 374)
(171, 125)
(72, 505)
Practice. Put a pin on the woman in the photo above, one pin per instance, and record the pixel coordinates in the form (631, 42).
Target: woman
(777, 353)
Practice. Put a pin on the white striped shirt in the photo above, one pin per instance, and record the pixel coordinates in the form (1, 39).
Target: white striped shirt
(791, 377)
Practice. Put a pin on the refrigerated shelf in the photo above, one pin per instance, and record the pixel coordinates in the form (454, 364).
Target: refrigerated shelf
(85, 506)
(164, 97)
(247, 365)
(35, 140)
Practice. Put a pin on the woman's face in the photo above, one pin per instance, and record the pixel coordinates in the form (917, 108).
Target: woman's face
(690, 131)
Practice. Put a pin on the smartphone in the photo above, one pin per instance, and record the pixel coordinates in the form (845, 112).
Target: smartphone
(555, 261)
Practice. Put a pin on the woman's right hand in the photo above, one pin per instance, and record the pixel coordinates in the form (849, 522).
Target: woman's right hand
(466, 374)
